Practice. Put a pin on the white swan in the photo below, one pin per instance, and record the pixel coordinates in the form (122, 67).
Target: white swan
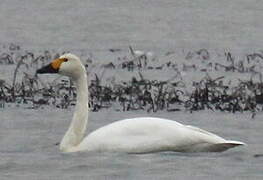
(137, 135)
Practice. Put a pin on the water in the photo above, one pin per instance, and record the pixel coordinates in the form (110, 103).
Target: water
(28, 137)
(29, 151)
(153, 25)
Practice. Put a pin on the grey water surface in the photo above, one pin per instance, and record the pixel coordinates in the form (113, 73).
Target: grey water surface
(28, 148)
(145, 24)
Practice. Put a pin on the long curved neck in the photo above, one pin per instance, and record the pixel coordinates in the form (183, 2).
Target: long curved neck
(77, 128)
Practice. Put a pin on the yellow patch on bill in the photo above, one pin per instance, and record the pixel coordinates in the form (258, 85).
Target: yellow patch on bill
(57, 62)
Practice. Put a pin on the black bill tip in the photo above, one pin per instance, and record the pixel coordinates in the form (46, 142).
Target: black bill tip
(47, 69)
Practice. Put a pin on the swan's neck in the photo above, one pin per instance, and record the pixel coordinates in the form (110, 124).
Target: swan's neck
(78, 125)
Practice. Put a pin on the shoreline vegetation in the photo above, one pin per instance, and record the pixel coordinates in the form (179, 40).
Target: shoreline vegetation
(220, 87)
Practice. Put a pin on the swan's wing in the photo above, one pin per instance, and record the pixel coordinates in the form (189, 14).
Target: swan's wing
(224, 146)
(136, 135)
(229, 142)
(144, 135)
(219, 144)
(203, 131)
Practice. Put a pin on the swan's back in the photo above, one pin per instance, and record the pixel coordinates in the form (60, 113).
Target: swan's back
(147, 134)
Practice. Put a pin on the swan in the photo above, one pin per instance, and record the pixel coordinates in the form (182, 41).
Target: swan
(136, 135)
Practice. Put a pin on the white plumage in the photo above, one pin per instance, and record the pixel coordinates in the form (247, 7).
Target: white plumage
(137, 135)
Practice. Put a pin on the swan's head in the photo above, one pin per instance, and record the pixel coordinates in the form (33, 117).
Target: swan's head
(67, 64)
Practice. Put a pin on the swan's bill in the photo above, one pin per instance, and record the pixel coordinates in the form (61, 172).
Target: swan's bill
(53, 67)
(47, 69)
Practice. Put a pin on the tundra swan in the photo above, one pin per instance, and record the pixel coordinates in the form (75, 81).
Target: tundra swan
(136, 135)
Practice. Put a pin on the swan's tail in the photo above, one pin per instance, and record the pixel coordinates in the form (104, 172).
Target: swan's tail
(225, 146)
(235, 143)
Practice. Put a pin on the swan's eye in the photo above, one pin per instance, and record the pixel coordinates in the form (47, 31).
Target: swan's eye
(65, 60)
